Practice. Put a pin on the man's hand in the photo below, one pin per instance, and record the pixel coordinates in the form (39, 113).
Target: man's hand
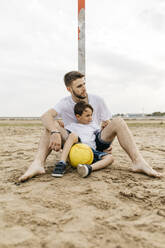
(55, 142)
(108, 150)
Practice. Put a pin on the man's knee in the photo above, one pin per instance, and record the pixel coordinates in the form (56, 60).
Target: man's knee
(45, 133)
(118, 122)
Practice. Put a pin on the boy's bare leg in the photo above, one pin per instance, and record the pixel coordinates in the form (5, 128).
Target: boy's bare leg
(106, 160)
(72, 139)
(37, 166)
(119, 128)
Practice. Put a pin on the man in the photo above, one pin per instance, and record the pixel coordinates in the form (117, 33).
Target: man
(55, 134)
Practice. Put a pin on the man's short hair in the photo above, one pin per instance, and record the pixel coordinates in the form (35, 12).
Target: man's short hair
(80, 107)
(71, 76)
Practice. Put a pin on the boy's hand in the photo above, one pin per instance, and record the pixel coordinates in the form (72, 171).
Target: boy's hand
(104, 124)
(108, 150)
(55, 142)
(61, 123)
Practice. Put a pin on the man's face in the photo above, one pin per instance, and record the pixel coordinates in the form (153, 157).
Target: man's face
(86, 116)
(78, 89)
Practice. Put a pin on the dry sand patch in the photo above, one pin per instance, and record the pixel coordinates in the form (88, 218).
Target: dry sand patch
(112, 208)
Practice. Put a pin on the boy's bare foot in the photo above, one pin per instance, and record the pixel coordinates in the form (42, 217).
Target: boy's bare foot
(143, 167)
(32, 171)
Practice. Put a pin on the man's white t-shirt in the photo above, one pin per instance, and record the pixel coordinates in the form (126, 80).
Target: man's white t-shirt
(86, 132)
(65, 110)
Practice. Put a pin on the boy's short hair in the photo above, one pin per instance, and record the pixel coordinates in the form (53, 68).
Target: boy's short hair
(71, 76)
(80, 107)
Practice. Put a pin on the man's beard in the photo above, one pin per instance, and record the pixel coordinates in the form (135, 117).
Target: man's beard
(78, 96)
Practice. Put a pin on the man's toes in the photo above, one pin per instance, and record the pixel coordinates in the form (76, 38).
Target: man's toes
(159, 175)
(22, 178)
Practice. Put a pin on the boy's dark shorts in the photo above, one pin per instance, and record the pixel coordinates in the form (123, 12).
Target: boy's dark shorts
(97, 155)
(101, 145)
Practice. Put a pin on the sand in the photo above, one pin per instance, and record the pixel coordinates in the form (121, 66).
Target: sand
(112, 208)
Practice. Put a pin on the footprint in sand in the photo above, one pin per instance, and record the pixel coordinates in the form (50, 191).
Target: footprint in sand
(11, 237)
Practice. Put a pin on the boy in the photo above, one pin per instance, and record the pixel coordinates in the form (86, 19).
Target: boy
(87, 132)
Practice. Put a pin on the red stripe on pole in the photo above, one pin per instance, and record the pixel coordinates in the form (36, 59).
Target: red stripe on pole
(81, 4)
(78, 33)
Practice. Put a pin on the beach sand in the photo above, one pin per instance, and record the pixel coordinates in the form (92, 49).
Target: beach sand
(112, 208)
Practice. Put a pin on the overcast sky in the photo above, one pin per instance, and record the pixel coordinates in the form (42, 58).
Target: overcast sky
(125, 54)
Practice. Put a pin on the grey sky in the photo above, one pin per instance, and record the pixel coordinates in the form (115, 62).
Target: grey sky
(125, 53)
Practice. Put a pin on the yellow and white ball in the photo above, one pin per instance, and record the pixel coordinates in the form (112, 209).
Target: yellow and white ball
(80, 154)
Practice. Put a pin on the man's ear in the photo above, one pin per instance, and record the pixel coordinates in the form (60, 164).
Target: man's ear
(68, 89)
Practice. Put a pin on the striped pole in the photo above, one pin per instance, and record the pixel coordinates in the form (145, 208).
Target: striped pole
(81, 36)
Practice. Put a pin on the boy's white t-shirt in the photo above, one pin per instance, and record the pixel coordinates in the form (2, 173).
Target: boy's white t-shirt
(86, 132)
(65, 110)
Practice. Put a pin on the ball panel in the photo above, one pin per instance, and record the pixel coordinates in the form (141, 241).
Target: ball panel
(80, 154)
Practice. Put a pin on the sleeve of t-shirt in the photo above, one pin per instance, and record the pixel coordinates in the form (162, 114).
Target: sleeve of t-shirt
(105, 114)
(59, 108)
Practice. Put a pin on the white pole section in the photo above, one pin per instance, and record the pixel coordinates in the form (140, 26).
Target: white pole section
(81, 36)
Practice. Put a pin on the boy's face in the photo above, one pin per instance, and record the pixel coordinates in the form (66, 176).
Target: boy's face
(86, 116)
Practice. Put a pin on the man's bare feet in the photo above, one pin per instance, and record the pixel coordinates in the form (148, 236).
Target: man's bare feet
(34, 170)
(143, 167)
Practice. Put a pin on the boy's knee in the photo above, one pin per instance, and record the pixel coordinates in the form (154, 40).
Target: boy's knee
(111, 158)
(73, 136)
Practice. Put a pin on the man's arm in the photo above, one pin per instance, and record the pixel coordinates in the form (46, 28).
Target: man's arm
(48, 120)
(52, 126)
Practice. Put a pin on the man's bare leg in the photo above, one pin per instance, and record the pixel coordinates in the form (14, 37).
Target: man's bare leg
(37, 166)
(119, 128)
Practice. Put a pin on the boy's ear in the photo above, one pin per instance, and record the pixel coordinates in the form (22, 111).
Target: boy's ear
(77, 116)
